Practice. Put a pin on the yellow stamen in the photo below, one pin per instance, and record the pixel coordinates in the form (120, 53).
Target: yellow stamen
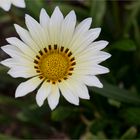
(54, 66)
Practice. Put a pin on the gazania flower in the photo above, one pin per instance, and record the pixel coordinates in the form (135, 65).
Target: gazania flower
(57, 56)
(6, 4)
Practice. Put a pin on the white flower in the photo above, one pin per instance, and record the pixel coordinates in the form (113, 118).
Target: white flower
(57, 56)
(6, 4)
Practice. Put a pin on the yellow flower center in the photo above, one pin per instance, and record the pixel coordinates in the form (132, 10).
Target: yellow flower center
(54, 64)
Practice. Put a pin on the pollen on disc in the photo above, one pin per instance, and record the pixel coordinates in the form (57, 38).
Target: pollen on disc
(54, 66)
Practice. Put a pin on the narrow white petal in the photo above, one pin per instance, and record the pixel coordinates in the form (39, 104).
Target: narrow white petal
(26, 87)
(44, 18)
(83, 42)
(45, 21)
(53, 98)
(84, 64)
(101, 56)
(94, 33)
(93, 57)
(68, 27)
(55, 26)
(8, 62)
(91, 80)
(22, 46)
(12, 51)
(98, 45)
(15, 62)
(67, 93)
(83, 26)
(36, 31)
(97, 69)
(6, 5)
(22, 71)
(23, 62)
(43, 93)
(19, 3)
(81, 29)
(94, 70)
(79, 34)
(94, 47)
(25, 36)
(16, 54)
(79, 88)
(18, 58)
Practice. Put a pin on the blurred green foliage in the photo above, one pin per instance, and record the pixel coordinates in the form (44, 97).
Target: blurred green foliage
(113, 112)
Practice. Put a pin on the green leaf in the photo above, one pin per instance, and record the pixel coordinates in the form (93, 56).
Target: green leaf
(33, 114)
(5, 100)
(130, 133)
(132, 15)
(98, 125)
(136, 31)
(132, 115)
(62, 113)
(124, 45)
(114, 103)
(89, 136)
(98, 8)
(35, 6)
(5, 137)
(116, 93)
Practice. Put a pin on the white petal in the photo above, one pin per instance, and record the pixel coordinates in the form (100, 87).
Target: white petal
(36, 31)
(67, 93)
(93, 33)
(20, 45)
(68, 27)
(25, 36)
(12, 51)
(26, 87)
(23, 62)
(45, 21)
(79, 88)
(53, 98)
(97, 69)
(83, 64)
(101, 56)
(94, 70)
(18, 3)
(8, 62)
(94, 47)
(93, 57)
(55, 26)
(6, 5)
(43, 93)
(14, 62)
(44, 18)
(83, 41)
(18, 61)
(98, 45)
(83, 26)
(91, 80)
(80, 32)
(22, 71)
